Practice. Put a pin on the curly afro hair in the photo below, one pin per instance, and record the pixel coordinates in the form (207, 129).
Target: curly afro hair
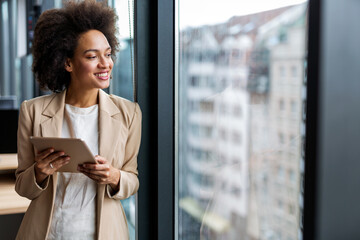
(56, 36)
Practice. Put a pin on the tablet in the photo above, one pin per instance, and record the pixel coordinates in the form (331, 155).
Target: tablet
(76, 148)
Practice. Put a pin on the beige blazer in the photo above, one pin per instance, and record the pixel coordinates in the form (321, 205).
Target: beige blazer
(119, 141)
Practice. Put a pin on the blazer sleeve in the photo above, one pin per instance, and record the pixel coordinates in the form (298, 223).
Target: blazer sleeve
(129, 182)
(25, 184)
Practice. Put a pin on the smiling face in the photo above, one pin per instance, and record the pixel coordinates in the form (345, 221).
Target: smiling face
(91, 65)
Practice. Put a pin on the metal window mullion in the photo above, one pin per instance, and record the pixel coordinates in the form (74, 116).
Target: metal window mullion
(165, 46)
(12, 46)
(2, 81)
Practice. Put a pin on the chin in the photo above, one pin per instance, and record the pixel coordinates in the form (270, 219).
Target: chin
(104, 85)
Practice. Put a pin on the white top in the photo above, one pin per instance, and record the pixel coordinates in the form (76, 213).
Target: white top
(74, 215)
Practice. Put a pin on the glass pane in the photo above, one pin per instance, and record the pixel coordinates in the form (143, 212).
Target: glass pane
(5, 46)
(122, 82)
(240, 98)
(23, 81)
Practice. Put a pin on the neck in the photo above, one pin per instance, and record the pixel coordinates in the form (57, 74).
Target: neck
(81, 97)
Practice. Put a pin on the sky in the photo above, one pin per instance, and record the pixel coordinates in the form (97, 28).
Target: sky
(208, 12)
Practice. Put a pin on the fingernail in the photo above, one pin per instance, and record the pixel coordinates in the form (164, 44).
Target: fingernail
(67, 158)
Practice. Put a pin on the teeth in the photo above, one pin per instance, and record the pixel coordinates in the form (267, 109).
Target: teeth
(101, 74)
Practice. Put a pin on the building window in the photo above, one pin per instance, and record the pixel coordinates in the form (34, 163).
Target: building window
(281, 138)
(294, 72)
(291, 209)
(282, 105)
(223, 134)
(293, 107)
(236, 138)
(224, 83)
(237, 111)
(236, 191)
(282, 72)
(194, 81)
(206, 106)
(281, 173)
(292, 175)
(223, 108)
(205, 131)
(237, 163)
(280, 204)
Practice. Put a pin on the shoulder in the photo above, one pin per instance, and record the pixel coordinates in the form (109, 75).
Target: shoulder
(38, 102)
(125, 105)
(119, 108)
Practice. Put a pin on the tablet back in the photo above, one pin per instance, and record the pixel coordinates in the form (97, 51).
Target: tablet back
(74, 147)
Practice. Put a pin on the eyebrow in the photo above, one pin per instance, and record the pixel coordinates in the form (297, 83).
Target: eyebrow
(95, 50)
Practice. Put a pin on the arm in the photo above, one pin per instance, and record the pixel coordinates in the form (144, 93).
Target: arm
(129, 182)
(25, 184)
(121, 183)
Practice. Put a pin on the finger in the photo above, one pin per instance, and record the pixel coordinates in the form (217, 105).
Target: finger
(60, 162)
(41, 155)
(54, 156)
(101, 167)
(100, 159)
(96, 178)
(99, 173)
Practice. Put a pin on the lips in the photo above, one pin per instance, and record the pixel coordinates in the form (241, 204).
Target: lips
(102, 75)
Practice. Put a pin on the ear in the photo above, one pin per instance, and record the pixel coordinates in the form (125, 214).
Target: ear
(68, 65)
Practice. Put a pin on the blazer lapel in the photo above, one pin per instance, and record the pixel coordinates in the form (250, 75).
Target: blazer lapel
(109, 128)
(53, 116)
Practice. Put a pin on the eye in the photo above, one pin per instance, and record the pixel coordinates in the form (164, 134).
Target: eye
(91, 57)
(108, 55)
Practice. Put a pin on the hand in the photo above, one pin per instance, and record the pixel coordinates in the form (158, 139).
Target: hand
(48, 162)
(102, 172)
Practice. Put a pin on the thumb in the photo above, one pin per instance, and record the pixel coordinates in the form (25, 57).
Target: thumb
(100, 159)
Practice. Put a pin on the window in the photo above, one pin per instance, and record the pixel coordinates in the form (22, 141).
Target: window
(236, 138)
(280, 173)
(237, 111)
(223, 134)
(291, 209)
(281, 138)
(16, 80)
(255, 53)
(281, 105)
(294, 110)
(292, 175)
(294, 72)
(122, 82)
(236, 163)
(282, 72)
(17, 21)
(206, 106)
(194, 81)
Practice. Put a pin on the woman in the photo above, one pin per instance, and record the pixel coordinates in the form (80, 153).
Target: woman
(73, 49)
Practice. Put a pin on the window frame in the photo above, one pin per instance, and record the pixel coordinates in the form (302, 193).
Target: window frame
(154, 61)
(155, 31)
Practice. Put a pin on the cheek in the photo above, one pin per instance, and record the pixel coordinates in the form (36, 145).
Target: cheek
(86, 68)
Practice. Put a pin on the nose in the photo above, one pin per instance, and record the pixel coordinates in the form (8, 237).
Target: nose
(104, 62)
